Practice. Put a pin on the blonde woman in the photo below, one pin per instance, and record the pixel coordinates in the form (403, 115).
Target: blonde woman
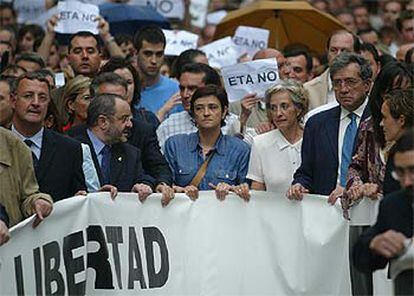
(275, 155)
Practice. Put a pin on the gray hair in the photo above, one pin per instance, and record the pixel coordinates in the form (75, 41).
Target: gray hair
(347, 58)
(297, 93)
(106, 77)
(101, 105)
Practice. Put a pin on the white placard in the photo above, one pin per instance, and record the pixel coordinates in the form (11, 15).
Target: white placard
(250, 39)
(75, 16)
(29, 10)
(167, 8)
(179, 41)
(59, 79)
(214, 18)
(198, 12)
(221, 53)
(250, 77)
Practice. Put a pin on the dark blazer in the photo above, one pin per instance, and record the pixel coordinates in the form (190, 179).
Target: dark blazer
(319, 168)
(144, 137)
(3, 215)
(396, 213)
(126, 165)
(59, 172)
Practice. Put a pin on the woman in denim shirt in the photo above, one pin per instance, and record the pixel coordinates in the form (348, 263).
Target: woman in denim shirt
(228, 157)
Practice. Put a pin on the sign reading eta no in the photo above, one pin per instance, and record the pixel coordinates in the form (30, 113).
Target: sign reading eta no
(169, 8)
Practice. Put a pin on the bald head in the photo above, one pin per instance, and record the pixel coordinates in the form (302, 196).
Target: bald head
(268, 53)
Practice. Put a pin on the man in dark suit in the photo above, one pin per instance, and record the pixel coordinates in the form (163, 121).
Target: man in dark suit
(387, 239)
(328, 143)
(142, 135)
(57, 159)
(4, 223)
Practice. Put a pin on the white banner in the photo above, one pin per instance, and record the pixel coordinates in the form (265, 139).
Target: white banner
(29, 10)
(96, 246)
(250, 77)
(179, 41)
(221, 52)
(75, 16)
(198, 12)
(167, 8)
(250, 39)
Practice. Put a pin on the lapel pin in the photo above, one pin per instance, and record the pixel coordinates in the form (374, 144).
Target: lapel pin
(120, 158)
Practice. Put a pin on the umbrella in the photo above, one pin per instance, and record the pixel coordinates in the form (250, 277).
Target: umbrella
(124, 18)
(288, 22)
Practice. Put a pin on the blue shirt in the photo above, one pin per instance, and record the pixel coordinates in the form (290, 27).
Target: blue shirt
(97, 144)
(229, 163)
(155, 96)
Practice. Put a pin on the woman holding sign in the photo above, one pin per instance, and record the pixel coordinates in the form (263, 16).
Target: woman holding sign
(275, 155)
(208, 159)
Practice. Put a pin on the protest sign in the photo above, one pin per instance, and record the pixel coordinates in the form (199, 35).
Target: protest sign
(75, 16)
(250, 77)
(179, 41)
(97, 246)
(198, 12)
(168, 8)
(221, 52)
(29, 10)
(215, 17)
(250, 40)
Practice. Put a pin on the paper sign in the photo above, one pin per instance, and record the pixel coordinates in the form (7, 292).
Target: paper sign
(167, 8)
(250, 40)
(29, 10)
(221, 53)
(214, 18)
(251, 77)
(75, 16)
(179, 41)
(59, 79)
(198, 12)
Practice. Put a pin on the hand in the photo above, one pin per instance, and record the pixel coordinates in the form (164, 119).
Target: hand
(110, 188)
(222, 189)
(4, 233)
(388, 244)
(242, 190)
(81, 192)
(42, 209)
(103, 28)
(264, 127)
(51, 24)
(247, 104)
(191, 191)
(167, 194)
(335, 194)
(143, 191)
(296, 191)
(171, 103)
(355, 192)
(371, 190)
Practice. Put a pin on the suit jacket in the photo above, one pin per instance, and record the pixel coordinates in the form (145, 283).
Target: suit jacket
(59, 172)
(396, 213)
(318, 90)
(125, 167)
(3, 215)
(143, 137)
(319, 168)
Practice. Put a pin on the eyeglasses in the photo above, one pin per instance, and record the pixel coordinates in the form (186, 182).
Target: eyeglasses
(400, 172)
(348, 82)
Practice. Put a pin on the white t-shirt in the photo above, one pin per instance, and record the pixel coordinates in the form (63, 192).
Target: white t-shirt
(273, 161)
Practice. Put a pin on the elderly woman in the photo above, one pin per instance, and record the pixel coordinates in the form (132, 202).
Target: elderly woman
(76, 100)
(208, 159)
(275, 155)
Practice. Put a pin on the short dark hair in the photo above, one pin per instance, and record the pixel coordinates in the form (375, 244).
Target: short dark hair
(356, 43)
(186, 57)
(366, 31)
(103, 104)
(211, 90)
(36, 75)
(405, 143)
(106, 77)
(401, 103)
(151, 34)
(408, 55)
(120, 63)
(372, 49)
(347, 58)
(299, 52)
(31, 57)
(404, 15)
(37, 32)
(85, 34)
(210, 74)
(123, 38)
(6, 5)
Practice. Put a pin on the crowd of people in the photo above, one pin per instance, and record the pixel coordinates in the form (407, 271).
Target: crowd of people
(127, 118)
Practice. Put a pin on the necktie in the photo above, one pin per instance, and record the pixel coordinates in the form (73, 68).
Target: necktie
(347, 147)
(105, 164)
(30, 143)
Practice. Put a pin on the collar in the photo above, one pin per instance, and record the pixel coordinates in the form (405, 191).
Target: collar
(358, 112)
(97, 144)
(36, 138)
(219, 146)
(330, 86)
(282, 143)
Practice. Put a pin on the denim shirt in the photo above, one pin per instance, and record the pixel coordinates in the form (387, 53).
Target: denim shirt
(229, 163)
